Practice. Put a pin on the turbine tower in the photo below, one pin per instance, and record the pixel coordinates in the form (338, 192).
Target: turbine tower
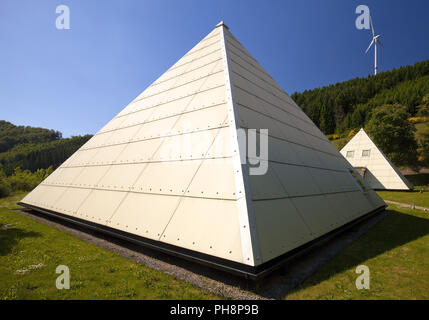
(375, 41)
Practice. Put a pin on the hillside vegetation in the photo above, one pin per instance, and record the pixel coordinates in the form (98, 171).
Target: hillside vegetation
(34, 156)
(12, 135)
(348, 105)
(28, 155)
(392, 106)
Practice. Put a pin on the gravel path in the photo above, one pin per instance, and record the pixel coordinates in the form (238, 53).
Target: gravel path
(406, 205)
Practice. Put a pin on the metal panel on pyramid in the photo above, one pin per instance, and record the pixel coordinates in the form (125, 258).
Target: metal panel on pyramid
(373, 165)
(166, 172)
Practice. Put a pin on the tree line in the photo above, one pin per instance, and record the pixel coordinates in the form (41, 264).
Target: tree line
(28, 155)
(33, 156)
(348, 105)
(12, 135)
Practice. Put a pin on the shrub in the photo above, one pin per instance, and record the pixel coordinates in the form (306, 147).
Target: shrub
(391, 131)
(4, 185)
(418, 119)
(22, 180)
(352, 133)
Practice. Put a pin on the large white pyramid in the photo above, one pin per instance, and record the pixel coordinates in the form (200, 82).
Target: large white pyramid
(373, 165)
(137, 179)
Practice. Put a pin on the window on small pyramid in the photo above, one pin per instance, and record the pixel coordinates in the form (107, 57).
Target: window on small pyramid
(366, 153)
(350, 154)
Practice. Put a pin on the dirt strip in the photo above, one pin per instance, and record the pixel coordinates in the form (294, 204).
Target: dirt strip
(406, 205)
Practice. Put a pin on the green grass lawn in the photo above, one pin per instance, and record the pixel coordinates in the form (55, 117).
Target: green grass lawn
(396, 251)
(419, 196)
(416, 197)
(30, 252)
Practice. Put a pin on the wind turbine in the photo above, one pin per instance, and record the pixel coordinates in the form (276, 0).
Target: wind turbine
(375, 41)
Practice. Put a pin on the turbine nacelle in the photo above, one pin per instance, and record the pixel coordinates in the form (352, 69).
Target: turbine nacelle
(375, 40)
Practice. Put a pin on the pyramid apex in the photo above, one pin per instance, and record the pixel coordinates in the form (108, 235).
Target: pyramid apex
(222, 24)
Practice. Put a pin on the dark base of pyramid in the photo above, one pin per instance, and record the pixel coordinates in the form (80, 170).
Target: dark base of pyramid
(394, 190)
(248, 272)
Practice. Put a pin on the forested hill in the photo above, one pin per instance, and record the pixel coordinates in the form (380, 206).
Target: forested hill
(11, 135)
(347, 105)
(33, 148)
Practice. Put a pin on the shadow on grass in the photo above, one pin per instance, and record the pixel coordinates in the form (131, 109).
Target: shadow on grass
(395, 230)
(10, 237)
(420, 179)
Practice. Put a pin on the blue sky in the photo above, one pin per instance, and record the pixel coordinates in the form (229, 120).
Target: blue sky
(76, 80)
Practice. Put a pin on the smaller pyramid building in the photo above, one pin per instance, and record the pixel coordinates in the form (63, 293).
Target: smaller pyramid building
(373, 165)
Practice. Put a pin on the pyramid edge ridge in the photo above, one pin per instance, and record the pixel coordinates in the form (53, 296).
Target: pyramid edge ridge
(249, 241)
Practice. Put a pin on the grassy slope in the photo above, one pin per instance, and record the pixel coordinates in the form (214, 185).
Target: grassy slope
(95, 273)
(397, 253)
(340, 143)
(420, 195)
(415, 197)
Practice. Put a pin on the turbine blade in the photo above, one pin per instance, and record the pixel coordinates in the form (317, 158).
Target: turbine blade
(379, 42)
(372, 42)
(372, 26)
